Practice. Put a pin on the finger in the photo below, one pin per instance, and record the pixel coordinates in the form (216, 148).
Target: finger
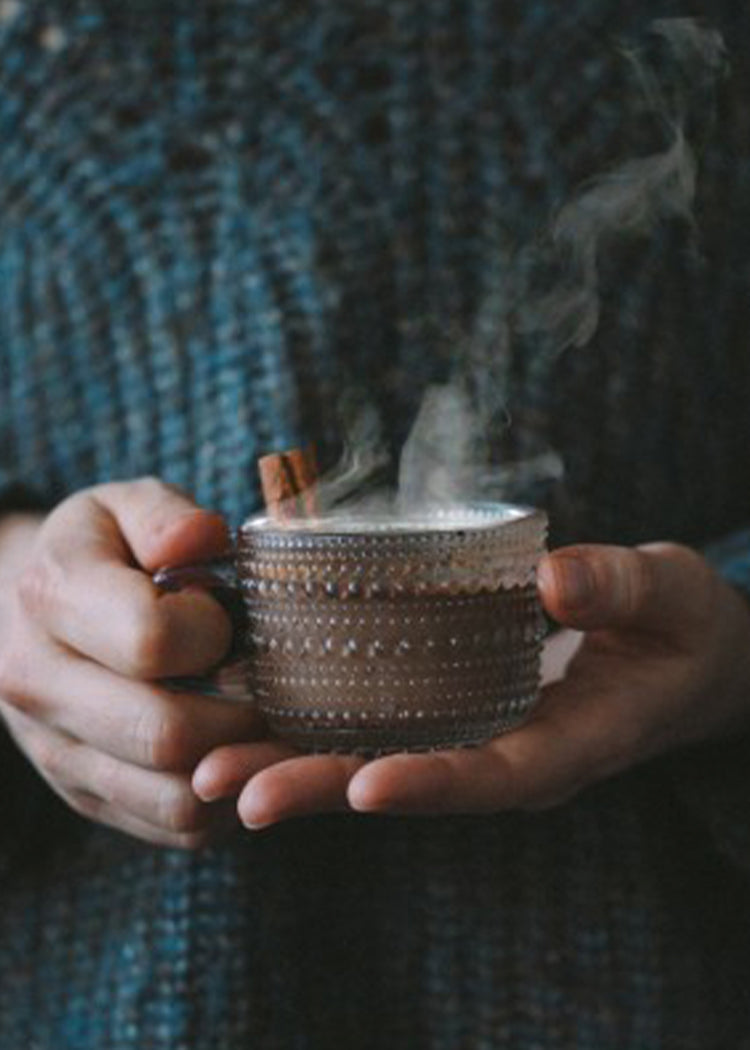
(164, 800)
(435, 782)
(160, 524)
(102, 812)
(83, 589)
(144, 724)
(580, 734)
(297, 787)
(659, 588)
(225, 771)
(118, 618)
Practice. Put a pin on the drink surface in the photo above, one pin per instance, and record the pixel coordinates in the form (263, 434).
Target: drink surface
(477, 516)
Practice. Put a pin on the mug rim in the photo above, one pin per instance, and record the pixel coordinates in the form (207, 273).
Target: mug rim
(490, 515)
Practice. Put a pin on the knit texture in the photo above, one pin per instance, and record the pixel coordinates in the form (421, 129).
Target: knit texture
(214, 217)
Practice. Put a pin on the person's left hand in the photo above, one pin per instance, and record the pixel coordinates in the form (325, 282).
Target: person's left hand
(662, 660)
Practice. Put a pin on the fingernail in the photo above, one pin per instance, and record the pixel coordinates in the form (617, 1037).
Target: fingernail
(256, 825)
(204, 787)
(252, 815)
(361, 797)
(358, 797)
(252, 821)
(574, 580)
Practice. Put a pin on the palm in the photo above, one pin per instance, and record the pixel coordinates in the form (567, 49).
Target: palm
(663, 635)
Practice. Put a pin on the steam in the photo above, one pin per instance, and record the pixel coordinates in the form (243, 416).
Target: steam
(628, 202)
(359, 476)
(552, 298)
(438, 458)
(631, 200)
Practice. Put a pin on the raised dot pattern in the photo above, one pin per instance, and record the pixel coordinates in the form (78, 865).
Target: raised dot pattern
(379, 642)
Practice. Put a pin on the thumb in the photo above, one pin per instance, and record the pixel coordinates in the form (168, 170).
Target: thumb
(160, 524)
(660, 588)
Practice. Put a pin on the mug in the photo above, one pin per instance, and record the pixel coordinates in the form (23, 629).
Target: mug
(382, 635)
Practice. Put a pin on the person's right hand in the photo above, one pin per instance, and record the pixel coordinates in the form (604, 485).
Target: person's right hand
(86, 636)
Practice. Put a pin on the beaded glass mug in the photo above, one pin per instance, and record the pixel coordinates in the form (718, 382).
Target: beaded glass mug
(373, 637)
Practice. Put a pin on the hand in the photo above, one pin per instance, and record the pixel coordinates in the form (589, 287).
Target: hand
(655, 655)
(85, 636)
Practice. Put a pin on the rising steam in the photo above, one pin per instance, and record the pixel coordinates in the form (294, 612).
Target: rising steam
(631, 200)
(554, 300)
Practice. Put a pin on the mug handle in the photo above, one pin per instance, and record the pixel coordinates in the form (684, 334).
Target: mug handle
(219, 577)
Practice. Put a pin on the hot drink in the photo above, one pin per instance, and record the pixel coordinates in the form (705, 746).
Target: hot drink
(381, 636)
(386, 635)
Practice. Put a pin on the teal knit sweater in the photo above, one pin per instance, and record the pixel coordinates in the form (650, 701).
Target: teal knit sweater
(213, 217)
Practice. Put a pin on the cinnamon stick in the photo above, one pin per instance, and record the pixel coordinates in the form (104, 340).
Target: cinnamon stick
(287, 481)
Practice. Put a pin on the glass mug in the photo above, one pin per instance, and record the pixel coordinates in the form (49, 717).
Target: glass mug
(381, 636)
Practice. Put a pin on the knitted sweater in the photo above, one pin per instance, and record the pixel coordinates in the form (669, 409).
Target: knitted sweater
(212, 217)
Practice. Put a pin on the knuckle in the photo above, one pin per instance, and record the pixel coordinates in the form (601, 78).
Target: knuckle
(513, 793)
(145, 485)
(17, 685)
(192, 841)
(49, 756)
(692, 564)
(12, 676)
(673, 551)
(638, 583)
(148, 646)
(167, 740)
(39, 586)
(152, 485)
(680, 581)
(157, 498)
(106, 780)
(83, 803)
(679, 554)
(180, 811)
